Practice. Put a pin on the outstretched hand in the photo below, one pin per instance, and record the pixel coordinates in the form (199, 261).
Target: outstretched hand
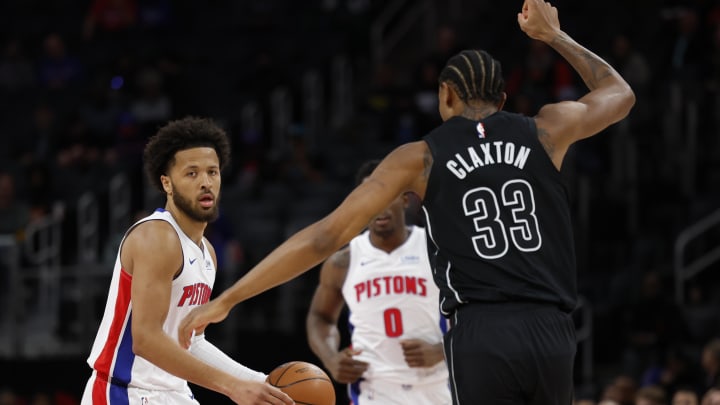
(539, 20)
(200, 317)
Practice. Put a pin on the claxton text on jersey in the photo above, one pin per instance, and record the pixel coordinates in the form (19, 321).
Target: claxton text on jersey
(498, 152)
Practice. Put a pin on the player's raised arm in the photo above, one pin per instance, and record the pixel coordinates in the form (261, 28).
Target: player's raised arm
(610, 97)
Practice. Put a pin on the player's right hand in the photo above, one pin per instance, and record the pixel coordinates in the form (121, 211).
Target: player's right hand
(212, 312)
(258, 393)
(539, 20)
(344, 368)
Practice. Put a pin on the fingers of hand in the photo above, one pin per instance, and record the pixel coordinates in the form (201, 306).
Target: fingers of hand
(273, 395)
(349, 351)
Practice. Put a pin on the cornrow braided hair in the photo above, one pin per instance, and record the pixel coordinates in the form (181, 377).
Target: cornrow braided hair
(475, 75)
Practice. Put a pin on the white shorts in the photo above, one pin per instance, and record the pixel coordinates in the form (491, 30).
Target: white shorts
(388, 393)
(107, 393)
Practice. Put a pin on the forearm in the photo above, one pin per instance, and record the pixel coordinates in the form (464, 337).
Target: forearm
(162, 351)
(213, 356)
(594, 71)
(301, 252)
(324, 340)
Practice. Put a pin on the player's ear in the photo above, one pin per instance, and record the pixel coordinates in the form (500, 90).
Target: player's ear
(501, 104)
(445, 94)
(167, 185)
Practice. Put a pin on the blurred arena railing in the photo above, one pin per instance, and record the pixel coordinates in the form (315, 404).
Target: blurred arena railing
(696, 237)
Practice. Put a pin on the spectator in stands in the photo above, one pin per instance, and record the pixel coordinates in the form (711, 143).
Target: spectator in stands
(40, 193)
(155, 14)
(36, 141)
(447, 44)
(17, 71)
(685, 396)
(676, 370)
(300, 164)
(634, 67)
(631, 63)
(425, 97)
(14, 213)
(653, 323)
(8, 397)
(685, 53)
(40, 398)
(621, 390)
(651, 395)
(542, 78)
(152, 105)
(58, 70)
(110, 16)
(100, 109)
(711, 397)
(710, 362)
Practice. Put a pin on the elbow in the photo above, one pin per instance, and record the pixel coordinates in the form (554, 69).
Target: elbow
(628, 100)
(141, 344)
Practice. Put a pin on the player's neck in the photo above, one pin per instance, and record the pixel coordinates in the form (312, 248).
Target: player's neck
(477, 112)
(192, 228)
(391, 241)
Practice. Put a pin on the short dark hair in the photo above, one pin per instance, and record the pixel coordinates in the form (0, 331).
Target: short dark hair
(178, 135)
(475, 75)
(365, 170)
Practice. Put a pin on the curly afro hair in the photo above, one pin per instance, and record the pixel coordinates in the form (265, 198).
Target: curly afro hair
(178, 135)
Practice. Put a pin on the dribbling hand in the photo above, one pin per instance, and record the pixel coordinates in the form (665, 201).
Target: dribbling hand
(256, 393)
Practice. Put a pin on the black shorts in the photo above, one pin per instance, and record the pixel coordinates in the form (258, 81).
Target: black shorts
(511, 354)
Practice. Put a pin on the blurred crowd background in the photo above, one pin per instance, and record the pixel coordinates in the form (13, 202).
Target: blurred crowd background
(307, 91)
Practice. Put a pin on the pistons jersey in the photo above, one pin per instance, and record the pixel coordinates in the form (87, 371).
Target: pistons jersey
(391, 297)
(111, 355)
(498, 216)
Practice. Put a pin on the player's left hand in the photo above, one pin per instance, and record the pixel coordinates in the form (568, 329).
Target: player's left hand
(212, 312)
(419, 353)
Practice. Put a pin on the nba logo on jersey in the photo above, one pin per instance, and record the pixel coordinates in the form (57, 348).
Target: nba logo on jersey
(480, 130)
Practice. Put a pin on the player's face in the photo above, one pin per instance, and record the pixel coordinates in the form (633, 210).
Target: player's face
(392, 219)
(195, 183)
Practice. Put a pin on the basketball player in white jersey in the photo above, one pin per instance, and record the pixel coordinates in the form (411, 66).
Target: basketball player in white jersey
(164, 268)
(384, 278)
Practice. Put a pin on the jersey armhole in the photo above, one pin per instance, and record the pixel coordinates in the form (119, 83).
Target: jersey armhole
(132, 228)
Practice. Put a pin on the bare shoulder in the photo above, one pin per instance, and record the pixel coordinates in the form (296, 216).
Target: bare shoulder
(410, 153)
(145, 240)
(335, 268)
(341, 258)
(558, 126)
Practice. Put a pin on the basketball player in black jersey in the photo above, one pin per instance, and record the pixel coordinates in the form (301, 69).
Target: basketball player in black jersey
(498, 222)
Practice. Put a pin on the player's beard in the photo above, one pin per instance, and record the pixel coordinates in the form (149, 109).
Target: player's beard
(196, 213)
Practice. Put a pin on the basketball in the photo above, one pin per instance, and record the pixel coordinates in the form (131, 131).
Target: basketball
(306, 383)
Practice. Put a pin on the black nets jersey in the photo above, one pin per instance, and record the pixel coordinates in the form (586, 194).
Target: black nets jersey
(498, 217)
